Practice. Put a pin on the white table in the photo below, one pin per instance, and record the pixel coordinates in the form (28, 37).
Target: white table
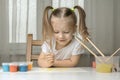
(81, 73)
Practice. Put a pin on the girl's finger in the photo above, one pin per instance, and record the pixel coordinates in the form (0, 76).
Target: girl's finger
(50, 61)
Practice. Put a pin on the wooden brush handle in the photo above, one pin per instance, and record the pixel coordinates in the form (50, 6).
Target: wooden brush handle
(88, 49)
(95, 47)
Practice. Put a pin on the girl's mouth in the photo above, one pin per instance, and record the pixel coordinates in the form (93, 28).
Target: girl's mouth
(61, 40)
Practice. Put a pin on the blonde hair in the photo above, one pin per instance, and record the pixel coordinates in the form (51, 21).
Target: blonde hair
(47, 30)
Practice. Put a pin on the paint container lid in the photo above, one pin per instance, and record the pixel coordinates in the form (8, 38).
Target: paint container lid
(5, 63)
(23, 63)
(14, 63)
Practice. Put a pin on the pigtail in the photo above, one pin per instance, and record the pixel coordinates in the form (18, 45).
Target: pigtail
(82, 25)
(46, 27)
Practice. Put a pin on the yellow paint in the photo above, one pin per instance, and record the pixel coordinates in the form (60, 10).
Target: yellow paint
(104, 68)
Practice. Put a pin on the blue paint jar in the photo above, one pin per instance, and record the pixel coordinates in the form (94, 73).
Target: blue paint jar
(5, 67)
(23, 67)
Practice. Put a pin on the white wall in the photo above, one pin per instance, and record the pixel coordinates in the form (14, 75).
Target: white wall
(103, 22)
(117, 23)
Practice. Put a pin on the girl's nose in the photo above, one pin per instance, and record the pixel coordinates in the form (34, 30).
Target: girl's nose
(61, 35)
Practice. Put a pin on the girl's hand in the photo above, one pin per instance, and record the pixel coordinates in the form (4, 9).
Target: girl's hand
(50, 59)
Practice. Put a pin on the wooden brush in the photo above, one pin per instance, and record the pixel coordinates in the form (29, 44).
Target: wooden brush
(95, 47)
(112, 55)
(88, 49)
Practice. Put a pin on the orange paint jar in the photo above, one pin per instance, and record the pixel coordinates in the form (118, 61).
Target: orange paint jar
(30, 64)
(13, 67)
(94, 64)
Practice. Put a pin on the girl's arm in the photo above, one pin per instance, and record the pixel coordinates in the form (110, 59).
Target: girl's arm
(45, 60)
(73, 61)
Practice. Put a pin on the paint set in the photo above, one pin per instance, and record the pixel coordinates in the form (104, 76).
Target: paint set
(17, 66)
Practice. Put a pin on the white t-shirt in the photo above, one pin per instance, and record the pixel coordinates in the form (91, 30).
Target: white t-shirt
(73, 48)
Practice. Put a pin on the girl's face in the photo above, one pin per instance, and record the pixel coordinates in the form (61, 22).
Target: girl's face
(63, 31)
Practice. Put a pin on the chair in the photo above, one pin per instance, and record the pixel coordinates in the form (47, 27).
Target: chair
(30, 43)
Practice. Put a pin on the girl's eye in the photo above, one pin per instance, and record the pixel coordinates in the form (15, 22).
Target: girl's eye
(66, 32)
(56, 32)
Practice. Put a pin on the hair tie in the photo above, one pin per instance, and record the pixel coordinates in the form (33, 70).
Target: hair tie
(73, 9)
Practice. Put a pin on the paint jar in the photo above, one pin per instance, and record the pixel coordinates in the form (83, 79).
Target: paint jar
(13, 67)
(103, 67)
(94, 64)
(30, 64)
(5, 67)
(23, 67)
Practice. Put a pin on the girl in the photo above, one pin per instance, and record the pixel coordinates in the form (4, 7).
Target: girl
(60, 49)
